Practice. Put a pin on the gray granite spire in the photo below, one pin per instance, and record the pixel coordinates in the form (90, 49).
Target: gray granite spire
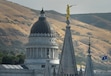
(47, 71)
(89, 66)
(54, 71)
(68, 61)
(80, 71)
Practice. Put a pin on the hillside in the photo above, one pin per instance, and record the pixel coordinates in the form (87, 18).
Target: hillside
(16, 21)
(101, 20)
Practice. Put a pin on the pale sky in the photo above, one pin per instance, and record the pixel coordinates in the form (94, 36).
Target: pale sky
(81, 6)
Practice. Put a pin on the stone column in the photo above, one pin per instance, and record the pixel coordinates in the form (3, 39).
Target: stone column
(45, 53)
(36, 53)
(41, 53)
(32, 53)
(53, 53)
(29, 54)
(26, 52)
(49, 53)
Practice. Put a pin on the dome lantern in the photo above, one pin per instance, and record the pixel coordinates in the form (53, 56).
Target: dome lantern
(41, 26)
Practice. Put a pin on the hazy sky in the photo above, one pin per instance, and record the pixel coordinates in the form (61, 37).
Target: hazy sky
(81, 6)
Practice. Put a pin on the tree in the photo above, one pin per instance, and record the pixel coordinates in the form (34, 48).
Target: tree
(21, 58)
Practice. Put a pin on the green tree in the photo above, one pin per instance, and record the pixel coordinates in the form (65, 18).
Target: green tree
(1, 56)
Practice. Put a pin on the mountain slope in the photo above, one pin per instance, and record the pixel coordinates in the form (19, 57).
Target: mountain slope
(100, 44)
(102, 20)
(16, 21)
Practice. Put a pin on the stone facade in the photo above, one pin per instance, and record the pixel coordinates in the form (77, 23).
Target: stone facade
(41, 47)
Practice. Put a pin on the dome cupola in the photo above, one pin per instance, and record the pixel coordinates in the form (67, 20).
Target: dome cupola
(41, 45)
(41, 26)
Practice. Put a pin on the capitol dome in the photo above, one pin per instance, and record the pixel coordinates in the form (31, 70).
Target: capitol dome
(41, 26)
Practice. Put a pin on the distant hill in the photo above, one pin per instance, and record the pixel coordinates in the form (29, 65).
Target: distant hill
(102, 20)
(16, 22)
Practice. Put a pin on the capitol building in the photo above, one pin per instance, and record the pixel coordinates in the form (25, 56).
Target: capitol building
(43, 57)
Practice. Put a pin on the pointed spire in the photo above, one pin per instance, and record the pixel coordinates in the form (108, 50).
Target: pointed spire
(68, 61)
(89, 65)
(47, 71)
(54, 71)
(67, 65)
(80, 71)
(89, 46)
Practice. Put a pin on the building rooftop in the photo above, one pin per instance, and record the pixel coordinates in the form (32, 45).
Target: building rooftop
(5, 66)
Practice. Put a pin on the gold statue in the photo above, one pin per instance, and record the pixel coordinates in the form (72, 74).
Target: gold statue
(68, 12)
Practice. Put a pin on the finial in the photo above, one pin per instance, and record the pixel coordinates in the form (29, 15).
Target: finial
(68, 13)
(89, 46)
(42, 11)
(42, 8)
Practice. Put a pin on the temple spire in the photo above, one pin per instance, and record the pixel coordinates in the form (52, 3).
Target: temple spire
(54, 71)
(89, 51)
(67, 65)
(47, 71)
(89, 65)
(80, 71)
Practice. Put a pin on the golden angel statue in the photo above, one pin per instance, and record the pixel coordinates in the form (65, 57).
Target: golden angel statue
(68, 12)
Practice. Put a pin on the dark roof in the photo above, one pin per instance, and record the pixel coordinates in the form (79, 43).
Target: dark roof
(42, 25)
